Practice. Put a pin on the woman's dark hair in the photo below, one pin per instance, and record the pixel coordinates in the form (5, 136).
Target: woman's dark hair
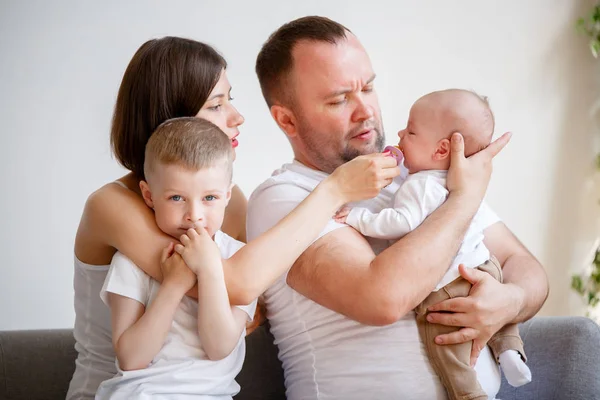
(166, 78)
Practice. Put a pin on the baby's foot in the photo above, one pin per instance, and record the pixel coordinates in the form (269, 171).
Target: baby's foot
(515, 370)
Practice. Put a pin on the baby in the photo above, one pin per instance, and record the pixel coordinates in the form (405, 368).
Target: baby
(167, 344)
(425, 145)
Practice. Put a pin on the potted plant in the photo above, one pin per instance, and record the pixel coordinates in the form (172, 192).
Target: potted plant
(587, 284)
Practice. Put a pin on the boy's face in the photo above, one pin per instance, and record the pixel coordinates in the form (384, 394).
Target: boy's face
(419, 140)
(184, 198)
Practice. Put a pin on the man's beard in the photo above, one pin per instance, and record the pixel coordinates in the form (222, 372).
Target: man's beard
(330, 163)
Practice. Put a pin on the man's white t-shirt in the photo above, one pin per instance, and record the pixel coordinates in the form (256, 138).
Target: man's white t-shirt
(326, 355)
(181, 369)
(420, 195)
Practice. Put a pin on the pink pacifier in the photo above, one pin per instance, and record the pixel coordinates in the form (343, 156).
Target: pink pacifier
(395, 153)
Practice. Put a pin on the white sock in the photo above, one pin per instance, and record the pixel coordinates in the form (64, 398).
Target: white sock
(515, 370)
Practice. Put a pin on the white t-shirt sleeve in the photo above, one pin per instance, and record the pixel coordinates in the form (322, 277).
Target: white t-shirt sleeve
(126, 279)
(414, 201)
(271, 204)
(249, 309)
(487, 217)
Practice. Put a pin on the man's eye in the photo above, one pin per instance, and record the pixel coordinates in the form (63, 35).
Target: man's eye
(176, 198)
(338, 102)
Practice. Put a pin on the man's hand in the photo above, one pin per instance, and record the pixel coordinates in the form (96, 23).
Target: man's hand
(198, 250)
(471, 175)
(175, 271)
(489, 306)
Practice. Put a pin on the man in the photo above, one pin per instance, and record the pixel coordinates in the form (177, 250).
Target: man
(342, 316)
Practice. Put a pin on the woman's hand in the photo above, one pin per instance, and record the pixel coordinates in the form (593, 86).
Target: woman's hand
(364, 177)
(175, 271)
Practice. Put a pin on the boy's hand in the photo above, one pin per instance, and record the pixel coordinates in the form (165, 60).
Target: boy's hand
(198, 250)
(174, 270)
(340, 216)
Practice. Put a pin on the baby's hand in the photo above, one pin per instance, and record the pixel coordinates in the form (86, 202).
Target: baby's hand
(341, 215)
(199, 250)
(175, 271)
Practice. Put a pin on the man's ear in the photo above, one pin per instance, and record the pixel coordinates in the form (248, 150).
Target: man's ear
(285, 118)
(146, 194)
(442, 150)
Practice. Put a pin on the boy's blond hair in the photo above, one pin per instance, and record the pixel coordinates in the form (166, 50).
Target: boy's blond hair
(191, 142)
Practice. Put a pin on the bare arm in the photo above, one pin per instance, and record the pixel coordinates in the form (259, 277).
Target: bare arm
(254, 267)
(341, 273)
(520, 268)
(139, 335)
(219, 324)
(116, 218)
(491, 304)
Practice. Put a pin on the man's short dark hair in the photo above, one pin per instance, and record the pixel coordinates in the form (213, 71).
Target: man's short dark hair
(274, 61)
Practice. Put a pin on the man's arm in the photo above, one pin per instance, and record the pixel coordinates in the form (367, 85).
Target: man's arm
(341, 272)
(519, 267)
(490, 304)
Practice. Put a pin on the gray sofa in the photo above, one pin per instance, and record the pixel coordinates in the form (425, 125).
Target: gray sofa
(38, 364)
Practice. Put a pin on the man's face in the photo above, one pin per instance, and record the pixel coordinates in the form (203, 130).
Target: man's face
(334, 102)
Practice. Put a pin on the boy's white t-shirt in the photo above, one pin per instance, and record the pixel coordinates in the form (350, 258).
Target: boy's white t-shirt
(181, 368)
(420, 195)
(325, 355)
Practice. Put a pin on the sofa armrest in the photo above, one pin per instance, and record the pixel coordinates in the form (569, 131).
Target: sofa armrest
(563, 354)
(36, 364)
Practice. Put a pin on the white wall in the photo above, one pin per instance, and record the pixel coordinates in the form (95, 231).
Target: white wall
(61, 63)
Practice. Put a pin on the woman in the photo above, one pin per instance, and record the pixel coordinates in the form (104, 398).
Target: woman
(167, 78)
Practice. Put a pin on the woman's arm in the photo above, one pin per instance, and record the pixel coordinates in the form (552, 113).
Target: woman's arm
(116, 218)
(258, 264)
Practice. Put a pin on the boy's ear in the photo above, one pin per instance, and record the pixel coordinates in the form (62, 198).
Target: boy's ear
(442, 150)
(228, 195)
(146, 194)
(285, 118)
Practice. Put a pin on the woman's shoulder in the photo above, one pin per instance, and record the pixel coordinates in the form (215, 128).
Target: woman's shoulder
(109, 196)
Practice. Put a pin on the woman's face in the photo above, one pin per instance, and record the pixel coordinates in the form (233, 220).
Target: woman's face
(219, 110)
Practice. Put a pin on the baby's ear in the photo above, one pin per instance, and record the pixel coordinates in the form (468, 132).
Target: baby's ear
(442, 150)
(146, 194)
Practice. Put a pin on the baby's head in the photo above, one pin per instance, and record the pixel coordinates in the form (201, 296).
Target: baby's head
(433, 119)
(188, 168)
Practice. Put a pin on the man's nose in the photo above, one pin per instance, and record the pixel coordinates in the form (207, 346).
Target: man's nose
(364, 111)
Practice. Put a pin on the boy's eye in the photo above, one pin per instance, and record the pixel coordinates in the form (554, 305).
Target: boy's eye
(210, 197)
(176, 198)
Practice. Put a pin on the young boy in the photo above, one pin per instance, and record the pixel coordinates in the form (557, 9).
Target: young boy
(167, 344)
(425, 144)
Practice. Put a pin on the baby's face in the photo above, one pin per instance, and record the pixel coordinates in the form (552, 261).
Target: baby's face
(420, 139)
(184, 198)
